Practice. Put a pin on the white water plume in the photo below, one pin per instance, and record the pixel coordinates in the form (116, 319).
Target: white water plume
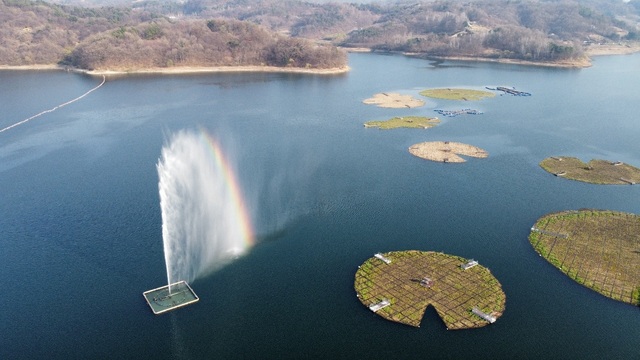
(204, 224)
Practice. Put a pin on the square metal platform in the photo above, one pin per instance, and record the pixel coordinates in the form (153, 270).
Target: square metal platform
(170, 297)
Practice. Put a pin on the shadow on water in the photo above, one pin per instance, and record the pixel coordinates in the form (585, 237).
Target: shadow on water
(178, 347)
(443, 64)
(271, 236)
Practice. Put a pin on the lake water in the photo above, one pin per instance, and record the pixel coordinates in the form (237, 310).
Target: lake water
(80, 223)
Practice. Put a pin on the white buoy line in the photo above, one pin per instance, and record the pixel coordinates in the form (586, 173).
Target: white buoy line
(104, 78)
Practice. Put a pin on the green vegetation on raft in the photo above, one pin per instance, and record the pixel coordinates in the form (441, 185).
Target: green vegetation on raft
(596, 248)
(595, 172)
(413, 122)
(457, 94)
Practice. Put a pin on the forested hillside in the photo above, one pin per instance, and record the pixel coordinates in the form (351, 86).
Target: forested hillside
(536, 30)
(162, 43)
(41, 33)
(122, 38)
(287, 33)
(530, 30)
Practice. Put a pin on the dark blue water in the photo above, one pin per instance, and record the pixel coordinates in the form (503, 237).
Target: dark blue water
(80, 226)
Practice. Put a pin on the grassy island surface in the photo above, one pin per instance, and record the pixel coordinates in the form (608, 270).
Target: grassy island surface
(404, 283)
(596, 248)
(393, 100)
(457, 94)
(595, 172)
(446, 151)
(413, 122)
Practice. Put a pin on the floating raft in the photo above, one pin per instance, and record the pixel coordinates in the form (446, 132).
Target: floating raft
(170, 297)
(381, 257)
(489, 318)
(380, 305)
(394, 100)
(402, 289)
(446, 151)
(596, 171)
(453, 113)
(469, 265)
(512, 91)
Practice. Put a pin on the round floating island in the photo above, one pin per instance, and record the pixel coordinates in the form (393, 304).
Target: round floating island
(446, 151)
(457, 94)
(595, 172)
(413, 122)
(394, 100)
(400, 285)
(596, 248)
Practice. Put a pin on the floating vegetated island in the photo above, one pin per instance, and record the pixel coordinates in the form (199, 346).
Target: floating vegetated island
(457, 94)
(446, 151)
(595, 172)
(597, 248)
(394, 100)
(413, 122)
(400, 285)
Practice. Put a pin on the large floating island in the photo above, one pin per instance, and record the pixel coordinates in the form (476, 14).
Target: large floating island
(400, 285)
(596, 248)
(595, 172)
(446, 151)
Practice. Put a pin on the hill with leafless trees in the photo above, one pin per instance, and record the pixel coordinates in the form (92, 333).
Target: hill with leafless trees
(151, 33)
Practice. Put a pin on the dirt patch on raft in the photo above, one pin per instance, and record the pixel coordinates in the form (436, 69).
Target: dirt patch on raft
(446, 151)
(394, 100)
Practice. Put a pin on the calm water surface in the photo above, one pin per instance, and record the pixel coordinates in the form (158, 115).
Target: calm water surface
(80, 226)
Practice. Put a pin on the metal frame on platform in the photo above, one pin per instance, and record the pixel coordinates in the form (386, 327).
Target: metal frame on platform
(170, 297)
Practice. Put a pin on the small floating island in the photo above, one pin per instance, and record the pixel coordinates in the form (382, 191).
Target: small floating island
(446, 151)
(400, 285)
(394, 100)
(413, 122)
(457, 94)
(598, 249)
(595, 172)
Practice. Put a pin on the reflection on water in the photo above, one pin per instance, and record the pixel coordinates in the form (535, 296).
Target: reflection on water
(327, 194)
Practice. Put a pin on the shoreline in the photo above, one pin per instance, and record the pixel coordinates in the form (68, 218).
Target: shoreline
(178, 70)
(573, 64)
(591, 51)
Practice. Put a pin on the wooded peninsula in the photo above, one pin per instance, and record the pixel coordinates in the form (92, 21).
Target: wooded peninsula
(128, 36)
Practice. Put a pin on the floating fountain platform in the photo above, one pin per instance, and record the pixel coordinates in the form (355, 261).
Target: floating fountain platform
(170, 297)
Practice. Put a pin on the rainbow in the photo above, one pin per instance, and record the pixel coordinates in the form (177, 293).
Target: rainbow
(239, 208)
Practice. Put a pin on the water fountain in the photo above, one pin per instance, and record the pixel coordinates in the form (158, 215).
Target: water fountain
(204, 221)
